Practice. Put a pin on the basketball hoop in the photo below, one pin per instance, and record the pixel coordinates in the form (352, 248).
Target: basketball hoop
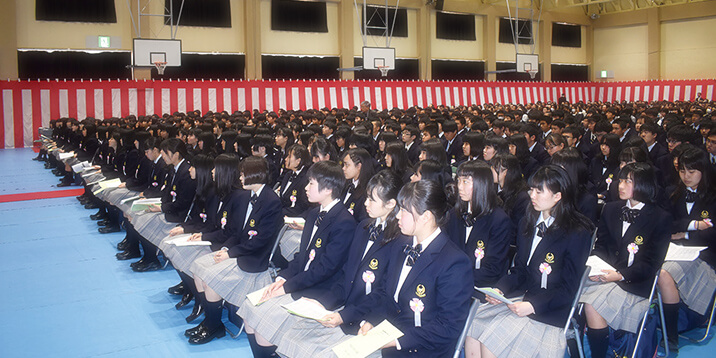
(160, 67)
(532, 73)
(383, 70)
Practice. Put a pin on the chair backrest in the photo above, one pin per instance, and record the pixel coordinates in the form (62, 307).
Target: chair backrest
(594, 240)
(575, 302)
(470, 316)
(272, 267)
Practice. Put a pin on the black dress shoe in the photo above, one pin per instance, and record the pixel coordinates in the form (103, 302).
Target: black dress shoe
(205, 335)
(185, 300)
(195, 313)
(192, 331)
(98, 216)
(91, 205)
(104, 222)
(48, 166)
(123, 245)
(81, 197)
(63, 184)
(85, 201)
(108, 229)
(135, 263)
(149, 266)
(126, 255)
(177, 290)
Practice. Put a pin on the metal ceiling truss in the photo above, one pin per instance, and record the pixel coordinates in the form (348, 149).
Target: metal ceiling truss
(599, 7)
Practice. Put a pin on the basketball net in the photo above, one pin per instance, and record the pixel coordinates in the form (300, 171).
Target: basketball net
(383, 70)
(160, 67)
(532, 73)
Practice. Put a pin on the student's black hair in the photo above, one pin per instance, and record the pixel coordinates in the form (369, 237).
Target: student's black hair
(644, 179)
(566, 216)
(209, 142)
(498, 143)
(322, 147)
(226, 174)
(602, 126)
(203, 164)
(681, 133)
(364, 141)
(342, 132)
(514, 181)
(422, 196)
(484, 196)
(301, 153)
(476, 141)
(571, 160)
(633, 154)
(432, 170)
(174, 145)
(431, 129)
(385, 186)
(399, 158)
(612, 141)
(367, 169)
(531, 129)
(449, 126)
(522, 151)
(262, 140)
(255, 170)
(694, 158)
(434, 151)
(286, 132)
(413, 130)
(575, 131)
(555, 139)
(329, 175)
(91, 130)
(141, 138)
(152, 142)
(243, 142)
(229, 138)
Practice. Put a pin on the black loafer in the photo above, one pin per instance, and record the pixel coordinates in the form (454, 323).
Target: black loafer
(91, 205)
(195, 313)
(108, 229)
(63, 184)
(135, 263)
(177, 290)
(126, 255)
(149, 266)
(204, 335)
(123, 245)
(104, 222)
(192, 331)
(98, 216)
(185, 300)
(85, 201)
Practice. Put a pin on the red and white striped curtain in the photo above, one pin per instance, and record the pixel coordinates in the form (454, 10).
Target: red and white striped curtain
(27, 105)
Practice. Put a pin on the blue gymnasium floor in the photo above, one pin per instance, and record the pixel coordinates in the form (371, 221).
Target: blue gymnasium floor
(65, 295)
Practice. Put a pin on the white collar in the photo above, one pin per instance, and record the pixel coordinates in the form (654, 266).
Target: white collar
(329, 206)
(258, 192)
(547, 222)
(157, 160)
(533, 146)
(635, 207)
(428, 240)
(179, 165)
(651, 146)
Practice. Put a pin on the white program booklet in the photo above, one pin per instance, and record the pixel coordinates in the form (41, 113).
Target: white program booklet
(683, 253)
(596, 265)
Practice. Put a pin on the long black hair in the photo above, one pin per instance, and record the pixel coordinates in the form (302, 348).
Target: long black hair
(385, 185)
(484, 196)
(362, 157)
(566, 216)
(203, 164)
(226, 174)
(398, 157)
(514, 181)
(571, 160)
(422, 196)
(611, 140)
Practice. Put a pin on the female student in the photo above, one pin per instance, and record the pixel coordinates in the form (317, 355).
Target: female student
(604, 169)
(396, 160)
(323, 249)
(633, 237)
(363, 274)
(241, 265)
(291, 189)
(494, 145)
(432, 170)
(518, 147)
(427, 288)
(358, 169)
(481, 227)
(511, 186)
(693, 205)
(571, 160)
(472, 145)
(552, 247)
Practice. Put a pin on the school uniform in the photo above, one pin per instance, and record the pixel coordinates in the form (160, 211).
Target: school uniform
(519, 205)
(177, 196)
(453, 150)
(413, 152)
(157, 178)
(529, 166)
(603, 175)
(548, 269)
(540, 154)
(246, 269)
(588, 205)
(315, 268)
(293, 193)
(354, 202)
(636, 251)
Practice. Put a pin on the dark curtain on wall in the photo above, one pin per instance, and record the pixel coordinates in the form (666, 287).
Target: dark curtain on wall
(73, 65)
(398, 23)
(295, 67)
(405, 69)
(301, 16)
(566, 35)
(75, 10)
(515, 76)
(524, 28)
(458, 70)
(205, 13)
(569, 73)
(209, 66)
(450, 26)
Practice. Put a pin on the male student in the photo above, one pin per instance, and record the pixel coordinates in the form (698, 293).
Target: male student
(537, 151)
(409, 136)
(451, 142)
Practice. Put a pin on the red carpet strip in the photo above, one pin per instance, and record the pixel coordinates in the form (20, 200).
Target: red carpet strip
(41, 195)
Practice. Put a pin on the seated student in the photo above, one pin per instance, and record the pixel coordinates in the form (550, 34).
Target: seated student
(291, 189)
(518, 147)
(427, 287)
(324, 246)
(263, 148)
(241, 265)
(432, 170)
(409, 136)
(511, 186)
(571, 160)
(649, 132)
(533, 135)
(494, 145)
(604, 169)
(396, 160)
(362, 274)
(481, 227)
(358, 169)
(553, 243)
(472, 145)
(553, 143)
(693, 206)
(633, 237)
(452, 142)
(322, 150)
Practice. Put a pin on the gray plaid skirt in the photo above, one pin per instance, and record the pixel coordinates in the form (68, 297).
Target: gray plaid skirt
(308, 338)
(227, 279)
(116, 195)
(696, 281)
(621, 309)
(269, 319)
(182, 257)
(507, 335)
(152, 226)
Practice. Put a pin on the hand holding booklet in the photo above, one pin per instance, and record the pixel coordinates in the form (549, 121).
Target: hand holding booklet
(494, 294)
(183, 240)
(307, 309)
(596, 265)
(255, 297)
(362, 346)
(294, 220)
(144, 204)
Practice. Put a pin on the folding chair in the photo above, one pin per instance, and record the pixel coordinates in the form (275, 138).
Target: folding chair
(654, 294)
(710, 322)
(470, 316)
(571, 320)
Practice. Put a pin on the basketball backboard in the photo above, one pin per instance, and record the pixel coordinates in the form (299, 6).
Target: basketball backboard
(148, 51)
(376, 57)
(527, 62)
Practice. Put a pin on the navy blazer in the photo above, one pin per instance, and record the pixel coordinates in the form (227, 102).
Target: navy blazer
(519, 206)
(355, 204)
(175, 207)
(198, 218)
(651, 231)
(297, 189)
(440, 279)
(157, 179)
(493, 233)
(567, 252)
(702, 209)
(230, 208)
(414, 152)
(251, 244)
(540, 154)
(600, 179)
(141, 177)
(330, 246)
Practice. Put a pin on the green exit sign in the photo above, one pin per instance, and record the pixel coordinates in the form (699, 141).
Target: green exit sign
(604, 74)
(103, 41)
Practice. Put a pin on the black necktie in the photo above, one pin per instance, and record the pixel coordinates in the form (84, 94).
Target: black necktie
(413, 253)
(254, 199)
(629, 215)
(691, 196)
(541, 228)
(468, 219)
(293, 177)
(351, 188)
(375, 232)
(320, 217)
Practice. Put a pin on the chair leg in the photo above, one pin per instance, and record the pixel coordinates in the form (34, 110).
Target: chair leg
(708, 327)
(663, 324)
(578, 338)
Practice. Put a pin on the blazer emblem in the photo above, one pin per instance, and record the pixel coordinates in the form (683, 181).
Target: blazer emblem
(420, 290)
(549, 258)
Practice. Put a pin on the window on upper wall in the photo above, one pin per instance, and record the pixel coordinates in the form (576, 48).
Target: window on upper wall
(76, 10)
(300, 16)
(450, 26)
(566, 35)
(524, 31)
(397, 21)
(204, 13)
